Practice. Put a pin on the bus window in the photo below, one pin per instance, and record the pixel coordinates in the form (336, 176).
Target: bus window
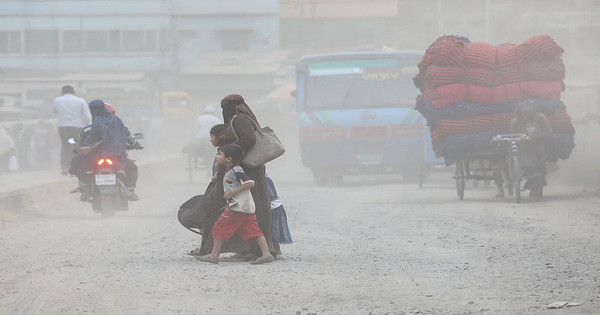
(362, 83)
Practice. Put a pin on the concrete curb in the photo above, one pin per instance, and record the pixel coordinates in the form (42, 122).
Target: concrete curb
(29, 196)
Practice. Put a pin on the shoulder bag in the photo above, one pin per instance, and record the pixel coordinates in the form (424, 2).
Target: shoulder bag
(191, 213)
(267, 146)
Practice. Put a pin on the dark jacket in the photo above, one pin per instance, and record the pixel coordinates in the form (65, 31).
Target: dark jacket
(109, 129)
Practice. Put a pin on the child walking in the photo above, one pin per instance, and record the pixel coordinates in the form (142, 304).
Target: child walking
(238, 217)
(214, 134)
(280, 232)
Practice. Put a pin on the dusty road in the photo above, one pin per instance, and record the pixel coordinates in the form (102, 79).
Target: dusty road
(377, 246)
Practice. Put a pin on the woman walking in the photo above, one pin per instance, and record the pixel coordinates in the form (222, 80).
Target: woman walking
(238, 116)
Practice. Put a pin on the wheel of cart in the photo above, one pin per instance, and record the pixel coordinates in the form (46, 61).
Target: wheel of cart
(475, 166)
(516, 174)
(460, 176)
(512, 173)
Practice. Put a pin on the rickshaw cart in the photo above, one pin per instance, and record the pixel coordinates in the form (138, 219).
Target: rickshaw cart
(480, 164)
(497, 161)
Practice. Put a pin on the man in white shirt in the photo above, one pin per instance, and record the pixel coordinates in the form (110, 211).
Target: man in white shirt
(201, 145)
(72, 114)
(206, 121)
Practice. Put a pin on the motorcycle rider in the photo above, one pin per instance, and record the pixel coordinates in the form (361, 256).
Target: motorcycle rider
(106, 137)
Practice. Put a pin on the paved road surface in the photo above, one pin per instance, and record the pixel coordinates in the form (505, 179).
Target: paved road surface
(376, 246)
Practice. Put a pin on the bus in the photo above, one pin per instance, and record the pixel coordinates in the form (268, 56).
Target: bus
(356, 114)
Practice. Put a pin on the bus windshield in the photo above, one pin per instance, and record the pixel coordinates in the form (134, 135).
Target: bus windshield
(361, 83)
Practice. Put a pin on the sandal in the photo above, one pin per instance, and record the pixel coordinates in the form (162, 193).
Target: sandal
(207, 258)
(263, 260)
(193, 252)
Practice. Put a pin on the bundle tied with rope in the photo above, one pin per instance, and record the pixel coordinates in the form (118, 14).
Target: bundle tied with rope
(469, 92)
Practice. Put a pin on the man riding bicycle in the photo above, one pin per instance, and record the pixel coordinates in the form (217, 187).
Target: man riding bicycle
(532, 153)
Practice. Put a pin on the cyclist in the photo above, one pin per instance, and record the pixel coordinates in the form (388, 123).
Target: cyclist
(532, 153)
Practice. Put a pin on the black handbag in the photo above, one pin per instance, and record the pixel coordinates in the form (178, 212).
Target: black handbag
(191, 214)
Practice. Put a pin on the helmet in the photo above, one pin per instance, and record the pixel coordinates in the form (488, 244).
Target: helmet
(110, 108)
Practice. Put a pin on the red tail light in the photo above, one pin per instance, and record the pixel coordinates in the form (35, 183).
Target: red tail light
(107, 161)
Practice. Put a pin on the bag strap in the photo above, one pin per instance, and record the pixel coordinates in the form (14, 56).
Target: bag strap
(233, 129)
(197, 232)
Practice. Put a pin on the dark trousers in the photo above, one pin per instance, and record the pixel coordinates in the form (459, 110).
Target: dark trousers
(66, 152)
(131, 173)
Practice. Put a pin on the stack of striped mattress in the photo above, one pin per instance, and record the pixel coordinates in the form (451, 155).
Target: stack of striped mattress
(469, 92)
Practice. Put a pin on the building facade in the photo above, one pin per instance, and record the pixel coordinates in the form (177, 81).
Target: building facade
(129, 35)
(120, 48)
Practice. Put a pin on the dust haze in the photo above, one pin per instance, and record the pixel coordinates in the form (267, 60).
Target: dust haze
(200, 72)
(200, 55)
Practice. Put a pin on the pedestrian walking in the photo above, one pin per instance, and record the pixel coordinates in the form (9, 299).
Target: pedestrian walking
(243, 126)
(7, 150)
(280, 232)
(238, 216)
(72, 114)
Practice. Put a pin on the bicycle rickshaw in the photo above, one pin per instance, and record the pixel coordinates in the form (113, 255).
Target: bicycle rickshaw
(199, 156)
(498, 161)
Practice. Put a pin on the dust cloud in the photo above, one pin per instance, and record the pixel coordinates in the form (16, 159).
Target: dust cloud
(162, 65)
(198, 68)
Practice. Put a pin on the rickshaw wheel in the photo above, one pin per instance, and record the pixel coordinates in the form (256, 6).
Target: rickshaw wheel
(516, 177)
(460, 176)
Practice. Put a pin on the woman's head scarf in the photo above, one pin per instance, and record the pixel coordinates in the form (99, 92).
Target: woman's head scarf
(98, 108)
(235, 104)
(111, 128)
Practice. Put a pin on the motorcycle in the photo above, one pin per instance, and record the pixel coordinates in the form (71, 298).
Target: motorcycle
(106, 192)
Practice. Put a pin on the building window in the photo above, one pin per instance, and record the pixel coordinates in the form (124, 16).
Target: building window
(139, 41)
(167, 40)
(96, 41)
(186, 33)
(10, 42)
(73, 41)
(236, 39)
(150, 40)
(41, 42)
(115, 40)
(100, 41)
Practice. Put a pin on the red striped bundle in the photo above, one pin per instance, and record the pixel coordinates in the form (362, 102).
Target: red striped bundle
(538, 48)
(454, 70)
(551, 71)
(460, 52)
(506, 55)
(480, 55)
(446, 127)
(560, 121)
(453, 93)
(445, 51)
